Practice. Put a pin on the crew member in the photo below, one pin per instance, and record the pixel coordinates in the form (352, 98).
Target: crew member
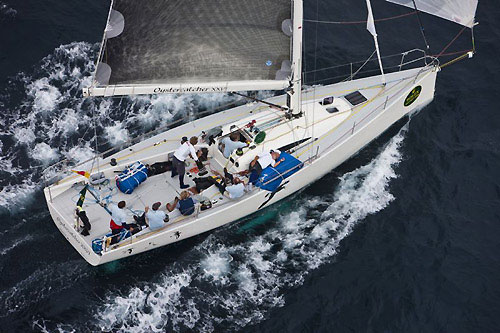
(118, 221)
(180, 155)
(231, 143)
(185, 204)
(238, 188)
(265, 159)
(156, 218)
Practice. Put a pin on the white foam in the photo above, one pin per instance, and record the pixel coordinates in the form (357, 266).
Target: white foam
(216, 266)
(45, 153)
(45, 96)
(67, 123)
(80, 153)
(116, 134)
(257, 272)
(15, 244)
(151, 309)
(24, 135)
(12, 194)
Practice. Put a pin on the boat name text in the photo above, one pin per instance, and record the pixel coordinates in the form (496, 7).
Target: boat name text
(188, 89)
(75, 237)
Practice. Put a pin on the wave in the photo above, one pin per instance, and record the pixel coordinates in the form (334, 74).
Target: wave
(15, 244)
(232, 286)
(40, 285)
(45, 117)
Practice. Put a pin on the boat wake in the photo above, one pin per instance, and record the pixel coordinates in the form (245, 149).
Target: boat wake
(234, 285)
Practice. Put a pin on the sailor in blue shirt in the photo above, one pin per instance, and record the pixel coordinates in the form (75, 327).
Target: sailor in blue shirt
(185, 204)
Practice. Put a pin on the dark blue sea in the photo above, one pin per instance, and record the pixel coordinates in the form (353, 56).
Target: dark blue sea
(403, 237)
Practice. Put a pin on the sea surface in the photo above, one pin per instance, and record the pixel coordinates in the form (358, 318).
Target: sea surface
(403, 237)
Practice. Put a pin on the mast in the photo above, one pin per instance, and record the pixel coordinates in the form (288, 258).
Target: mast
(370, 25)
(294, 95)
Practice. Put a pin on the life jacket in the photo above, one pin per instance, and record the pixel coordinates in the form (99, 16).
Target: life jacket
(186, 206)
(114, 226)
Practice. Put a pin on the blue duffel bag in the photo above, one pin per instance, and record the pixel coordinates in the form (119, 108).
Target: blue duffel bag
(131, 177)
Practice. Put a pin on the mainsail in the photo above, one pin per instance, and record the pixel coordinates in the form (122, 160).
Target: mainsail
(159, 46)
(459, 11)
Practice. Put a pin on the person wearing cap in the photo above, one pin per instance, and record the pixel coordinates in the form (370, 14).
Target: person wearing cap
(231, 143)
(185, 204)
(156, 218)
(265, 159)
(180, 155)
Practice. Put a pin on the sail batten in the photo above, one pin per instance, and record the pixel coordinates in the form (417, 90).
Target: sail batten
(459, 11)
(184, 42)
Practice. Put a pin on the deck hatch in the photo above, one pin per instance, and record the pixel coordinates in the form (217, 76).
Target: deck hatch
(355, 98)
(327, 100)
(332, 110)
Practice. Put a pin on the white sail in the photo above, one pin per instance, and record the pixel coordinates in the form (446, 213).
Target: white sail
(459, 11)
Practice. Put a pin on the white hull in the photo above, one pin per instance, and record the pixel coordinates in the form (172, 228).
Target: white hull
(348, 138)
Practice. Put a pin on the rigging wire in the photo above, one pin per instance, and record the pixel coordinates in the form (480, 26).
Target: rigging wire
(421, 26)
(451, 42)
(314, 77)
(96, 158)
(361, 22)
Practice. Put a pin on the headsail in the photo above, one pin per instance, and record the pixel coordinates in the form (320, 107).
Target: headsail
(459, 11)
(159, 46)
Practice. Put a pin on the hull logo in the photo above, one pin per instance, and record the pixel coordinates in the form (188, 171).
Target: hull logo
(413, 95)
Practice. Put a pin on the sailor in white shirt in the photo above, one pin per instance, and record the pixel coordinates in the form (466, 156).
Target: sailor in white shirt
(118, 222)
(180, 155)
(265, 159)
(118, 213)
(237, 189)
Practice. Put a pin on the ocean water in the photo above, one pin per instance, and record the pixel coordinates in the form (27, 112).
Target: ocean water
(402, 237)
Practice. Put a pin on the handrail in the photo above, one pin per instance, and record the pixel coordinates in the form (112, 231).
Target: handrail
(424, 57)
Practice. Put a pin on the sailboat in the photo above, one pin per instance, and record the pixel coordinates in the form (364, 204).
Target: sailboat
(228, 46)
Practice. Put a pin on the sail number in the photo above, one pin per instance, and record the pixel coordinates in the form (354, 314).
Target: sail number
(413, 95)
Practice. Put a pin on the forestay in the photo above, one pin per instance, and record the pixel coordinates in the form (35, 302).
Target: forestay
(159, 46)
(458, 11)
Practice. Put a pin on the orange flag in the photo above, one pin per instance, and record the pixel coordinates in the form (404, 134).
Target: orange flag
(82, 173)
